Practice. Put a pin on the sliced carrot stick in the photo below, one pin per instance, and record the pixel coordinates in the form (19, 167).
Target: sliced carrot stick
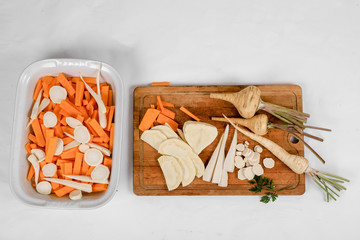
(97, 139)
(33, 146)
(112, 132)
(38, 133)
(61, 162)
(32, 138)
(77, 164)
(60, 192)
(149, 117)
(152, 106)
(162, 119)
(63, 121)
(64, 113)
(99, 187)
(85, 102)
(37, 89)
(189, 113)
(68, 169)
(92, 131)
(105, 94)
(41, 116)
(88, 172)
(66, 84)
(110, 99)
(57, 110)
(105, 145)
(99, 130)
(110, 118)
(95, 115)
(83, 111)
(42, 163)
(48, 134)
(70, 108)
(87, 96)
(47, 83)
(49, 153)
(68, 130)
(80, 118)
(30, 173)
(67, 140)
(90, 80)
(55, 186)
(58, 131)
(160, 103)
(108, 162)
(69, 154)
(160, 84)
(79, 95)
(166, 104)
(168, 113)
(84, 167)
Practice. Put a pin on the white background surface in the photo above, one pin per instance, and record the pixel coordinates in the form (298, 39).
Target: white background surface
(311, 43)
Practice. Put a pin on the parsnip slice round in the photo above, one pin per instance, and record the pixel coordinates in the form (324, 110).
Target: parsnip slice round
(71, 145)
(57, 94)
(166, 130)
(171, 170)
(50, 119)
(199, 135)
(257, 169)
(153, 137)
(49, 170)
(75, 195)
(100, 173)
(246, 143)
(93, 157)
(258, 149)
(102, 149)
(44, 187)
(39, 154)
(255, 158)
(59, 147)
(35, 163)
(81, 134)
(241, 174)
(240, 147)
(269, 162)
(248, 173)
(73, 122)
(239, 162)
(238, 153)
(83, 147)
(247, 152)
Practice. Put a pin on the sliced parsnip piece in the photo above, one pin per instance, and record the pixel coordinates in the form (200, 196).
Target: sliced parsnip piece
(198, 163)
(220, 161)
(44, 103)
(224, 179)
(246, 143)
(153, 137)
(257, 169)
(57, 93)
(178, 149)
(82, 134)
(199, 135)
(81, 186)
(181, 134)
(166, 130)
(248, 173)
(269, 162)
(83, 147)
(59, 147)
(238, 153)
(50, 119)
(229, 163)
(250, 156)
(86, 179)
(102, 119)
(241, 174)
(73, 122)
(71, 145)
(239, 162)
(246, 152)
(35, 163)
(75, 195)
(93, 157)
(35, 109)
(100, 103)
(49, 170)
(258, 149)
(100, 173)
(102, 149)
(102, 115)
(171, 170)
(44, 188)
(255, 159)
(240, 147)
(209, 170)
(39, 154)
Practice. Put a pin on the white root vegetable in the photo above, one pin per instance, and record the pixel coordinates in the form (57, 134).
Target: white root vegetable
(229, 164)
(269, 162)
(102, 115)
(39, 154)
(44, 103)
(35, 163)
(71, 145)
(49, 170)
(82, 134)
(238, 153)
(257, 169)
(246, 143)
(93, 157)
(102, 149)
(240, 147)
(86, 179)
(248, 173)
(57, 94)
(59, 147)
(239, 162)
(100, 173)
(220, 161)
(100, 103)
(246, 152)
(255, 159)
(35, 109)
(73, 122)
(50, 119)
(181, 134)
(209, 170)
(75, 195)
(153, 137)
(44, 188)
(171, 170)
(258, 149)
(81, 186)
(224, 178)
(199, 135)
(241, 174)
(166, 130)
(83, 147)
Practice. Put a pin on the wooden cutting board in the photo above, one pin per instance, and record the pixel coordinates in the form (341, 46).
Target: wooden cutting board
(148, 178)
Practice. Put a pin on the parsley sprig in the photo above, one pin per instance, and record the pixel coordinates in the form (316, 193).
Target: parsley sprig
(263, 183)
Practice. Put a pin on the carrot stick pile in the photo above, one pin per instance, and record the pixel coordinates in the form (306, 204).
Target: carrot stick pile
(79, 104)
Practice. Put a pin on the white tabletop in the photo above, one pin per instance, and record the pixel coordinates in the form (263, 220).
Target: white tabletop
(311, 43)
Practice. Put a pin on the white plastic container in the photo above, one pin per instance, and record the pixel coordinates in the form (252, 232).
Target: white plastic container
(19, 165)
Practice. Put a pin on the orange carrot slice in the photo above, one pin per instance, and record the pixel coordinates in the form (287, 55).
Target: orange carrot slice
(60, 192)
(30, 173)
(51, 145)
(105, 94)
(148, 119)
(110, 98)
(160, 84)
(38, 133)
(66, 84)
(99, 130)
(77, 164)
(162, 119)
(110, 118)
(37, 89)
(189, 113)
(168, 113)
(112, 132)
(80, 87)
(69, 108)
(99, 187)
(160, 103)
(32, 138)
(69, 154)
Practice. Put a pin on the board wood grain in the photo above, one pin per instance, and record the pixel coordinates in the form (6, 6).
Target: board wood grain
(147, 176)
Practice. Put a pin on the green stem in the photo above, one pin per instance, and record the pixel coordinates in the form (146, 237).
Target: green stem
(334, 176)
(331, 181)
(318, 183)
